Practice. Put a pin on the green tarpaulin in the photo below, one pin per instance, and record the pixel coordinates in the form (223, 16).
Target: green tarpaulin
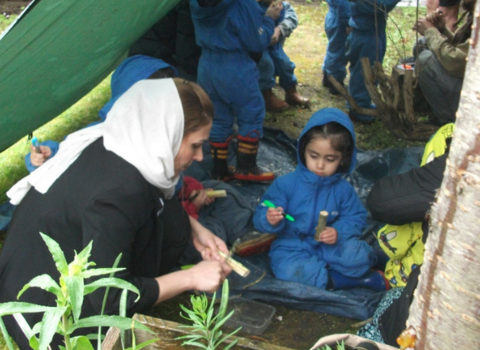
(58, 50)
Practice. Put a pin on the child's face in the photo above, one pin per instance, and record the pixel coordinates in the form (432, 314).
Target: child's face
(320, 158)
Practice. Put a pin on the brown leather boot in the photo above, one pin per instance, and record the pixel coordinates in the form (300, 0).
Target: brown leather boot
(293, 98)
(272, 102)
(247, 169)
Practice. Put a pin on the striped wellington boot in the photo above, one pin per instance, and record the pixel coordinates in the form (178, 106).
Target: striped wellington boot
(247, 169)
(219, 152)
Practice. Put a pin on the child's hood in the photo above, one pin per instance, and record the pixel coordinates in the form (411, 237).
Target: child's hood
(324, 116)
(209, 10)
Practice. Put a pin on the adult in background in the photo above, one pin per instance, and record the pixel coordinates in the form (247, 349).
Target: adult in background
(111, 183)
(441, 61)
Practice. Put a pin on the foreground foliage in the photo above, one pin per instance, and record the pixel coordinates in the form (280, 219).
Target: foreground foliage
(64, 318)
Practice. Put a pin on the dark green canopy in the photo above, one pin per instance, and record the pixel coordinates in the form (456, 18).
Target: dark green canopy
(57, 51)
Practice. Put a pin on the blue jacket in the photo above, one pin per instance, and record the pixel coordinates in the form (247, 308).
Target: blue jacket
(338, 13)
(232, 25)
(363, 14)
(302, 194)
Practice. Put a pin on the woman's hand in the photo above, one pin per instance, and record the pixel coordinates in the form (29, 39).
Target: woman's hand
(274, 215)
(329, 235)
(38, 158)
(206, 242)
(200, 199)
(422, 25)
(208, 276)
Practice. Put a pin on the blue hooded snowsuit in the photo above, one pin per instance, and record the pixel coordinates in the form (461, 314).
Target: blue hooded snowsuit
(130, 71)
(336, 23)
(275, 62)
(362, 42)
(227, 33)
(295, 255)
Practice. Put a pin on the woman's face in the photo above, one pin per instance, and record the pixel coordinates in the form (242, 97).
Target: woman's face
(191, 148)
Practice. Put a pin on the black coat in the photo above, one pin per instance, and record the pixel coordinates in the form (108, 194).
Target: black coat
(100, 197)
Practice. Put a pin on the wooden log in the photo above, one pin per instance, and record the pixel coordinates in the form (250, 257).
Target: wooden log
(353, 105)
(369, 79)
(322, 222)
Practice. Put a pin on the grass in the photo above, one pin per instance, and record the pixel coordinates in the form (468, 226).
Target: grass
(306, 47)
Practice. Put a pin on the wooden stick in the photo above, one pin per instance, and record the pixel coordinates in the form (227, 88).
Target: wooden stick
(216, 193)
(322, 221)
(235, 265)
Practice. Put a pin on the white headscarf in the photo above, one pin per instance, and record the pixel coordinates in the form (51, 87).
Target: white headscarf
(144, 127)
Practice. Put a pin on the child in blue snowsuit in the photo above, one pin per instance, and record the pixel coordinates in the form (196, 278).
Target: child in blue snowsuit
(275, 62)
(326, 152)
(362, 42)
(336, 26)
(228, 31)
(130, 71)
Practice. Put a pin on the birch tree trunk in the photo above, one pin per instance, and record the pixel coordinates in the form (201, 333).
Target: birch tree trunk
(445, 312)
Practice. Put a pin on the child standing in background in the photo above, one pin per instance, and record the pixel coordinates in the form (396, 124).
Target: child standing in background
(367, 39)
(275, 62)
(228, 31)
(326, 152)
(336, 28)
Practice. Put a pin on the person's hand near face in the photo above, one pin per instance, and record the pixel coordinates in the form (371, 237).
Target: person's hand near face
(200, 198)
(422, 25)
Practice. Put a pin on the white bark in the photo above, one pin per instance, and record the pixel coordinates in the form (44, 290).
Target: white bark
(446, 310)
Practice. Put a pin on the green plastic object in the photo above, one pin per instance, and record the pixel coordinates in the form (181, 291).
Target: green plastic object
(58, 51)
(269, 204)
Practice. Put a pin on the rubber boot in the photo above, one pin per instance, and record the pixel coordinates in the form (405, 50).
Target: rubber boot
(293, 98)
(372, 280)
(219, 152)
(272, 102)
(247, 169)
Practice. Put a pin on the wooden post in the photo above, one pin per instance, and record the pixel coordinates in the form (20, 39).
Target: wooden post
(322, 222)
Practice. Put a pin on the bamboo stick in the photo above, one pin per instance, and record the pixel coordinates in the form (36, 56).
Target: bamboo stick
(322, 222)
(216, 193)
(235, 265)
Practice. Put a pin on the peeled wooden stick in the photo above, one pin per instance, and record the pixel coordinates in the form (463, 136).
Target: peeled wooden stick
(216, 193)
(322, 221)
(235, 265)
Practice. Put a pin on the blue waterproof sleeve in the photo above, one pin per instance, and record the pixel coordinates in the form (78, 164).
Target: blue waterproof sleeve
(276, 195)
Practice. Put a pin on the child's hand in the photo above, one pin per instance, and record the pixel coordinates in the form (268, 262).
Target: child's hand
(200, 199)
(422, 25)
(329, 235)
(274, 215)
(277, 33)
(38, 158)
(274, 10)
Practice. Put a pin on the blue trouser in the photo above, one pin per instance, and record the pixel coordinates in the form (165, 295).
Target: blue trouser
(335, 63)
(306, 261)
(275, 62)
(363, 44)
(231, 81)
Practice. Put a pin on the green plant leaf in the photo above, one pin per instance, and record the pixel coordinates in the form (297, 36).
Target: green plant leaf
(44, 282)
(27, 331)
(57, 254)
(16, 307)
(6, 336)
(221, 321)
(101, 271)
(144, 344)
(233, 343)
(49, 325)
(108, 321)
(81, 343)
(75, 288)
(224, 300)
(111, 282)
